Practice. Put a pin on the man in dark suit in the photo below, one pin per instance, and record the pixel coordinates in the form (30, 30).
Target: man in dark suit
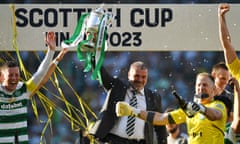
(112, 129)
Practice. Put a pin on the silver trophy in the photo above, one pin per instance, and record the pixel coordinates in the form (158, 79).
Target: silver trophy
(90, 37)
(93, 23)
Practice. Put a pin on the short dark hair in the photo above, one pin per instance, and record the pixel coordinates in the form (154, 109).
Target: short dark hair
(220, 65)
(10, 63)
(1, 65)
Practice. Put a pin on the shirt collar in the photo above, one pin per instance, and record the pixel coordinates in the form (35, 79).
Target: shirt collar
(141, 92)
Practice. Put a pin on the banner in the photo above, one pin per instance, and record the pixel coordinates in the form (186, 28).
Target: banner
(136, 27)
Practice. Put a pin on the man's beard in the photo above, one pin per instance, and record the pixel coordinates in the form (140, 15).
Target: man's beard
(173, 130)
(201, 96)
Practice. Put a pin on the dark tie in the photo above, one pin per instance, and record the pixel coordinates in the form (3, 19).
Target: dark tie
(131, 120)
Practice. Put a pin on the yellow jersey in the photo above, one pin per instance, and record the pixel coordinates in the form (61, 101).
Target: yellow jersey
(200, 129)
(234, 68)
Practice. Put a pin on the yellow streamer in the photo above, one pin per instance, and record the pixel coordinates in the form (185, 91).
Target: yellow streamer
(15, 46)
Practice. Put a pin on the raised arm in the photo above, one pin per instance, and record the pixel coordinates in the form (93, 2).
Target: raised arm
(53, 66)
(51, 69)
(34, 82)
(225, 38)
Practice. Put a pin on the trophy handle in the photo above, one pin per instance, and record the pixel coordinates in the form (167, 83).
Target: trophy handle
(88, 44)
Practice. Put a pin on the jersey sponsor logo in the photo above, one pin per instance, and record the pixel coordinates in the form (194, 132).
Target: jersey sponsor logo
(11, 106)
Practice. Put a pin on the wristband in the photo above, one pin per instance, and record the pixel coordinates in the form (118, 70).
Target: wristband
(55, 62)
(150, 117)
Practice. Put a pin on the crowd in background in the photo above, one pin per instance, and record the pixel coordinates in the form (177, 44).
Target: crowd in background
(167, 71)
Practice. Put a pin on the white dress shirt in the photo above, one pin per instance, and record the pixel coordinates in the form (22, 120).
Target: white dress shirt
(119, 128)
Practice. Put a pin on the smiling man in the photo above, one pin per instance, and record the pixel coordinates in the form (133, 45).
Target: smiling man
(15, 94)
(123, 130)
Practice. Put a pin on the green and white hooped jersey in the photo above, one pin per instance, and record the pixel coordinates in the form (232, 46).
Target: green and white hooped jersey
(13, 105)
(13, 115)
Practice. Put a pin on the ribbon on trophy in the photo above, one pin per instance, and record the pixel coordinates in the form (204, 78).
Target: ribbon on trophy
(90, 37)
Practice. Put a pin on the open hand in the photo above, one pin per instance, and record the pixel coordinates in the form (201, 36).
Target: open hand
(51, 40)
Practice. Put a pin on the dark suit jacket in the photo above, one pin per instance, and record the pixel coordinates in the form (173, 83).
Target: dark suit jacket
(116, 91)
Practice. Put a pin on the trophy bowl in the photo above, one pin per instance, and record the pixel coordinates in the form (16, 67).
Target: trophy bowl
(93, 22)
